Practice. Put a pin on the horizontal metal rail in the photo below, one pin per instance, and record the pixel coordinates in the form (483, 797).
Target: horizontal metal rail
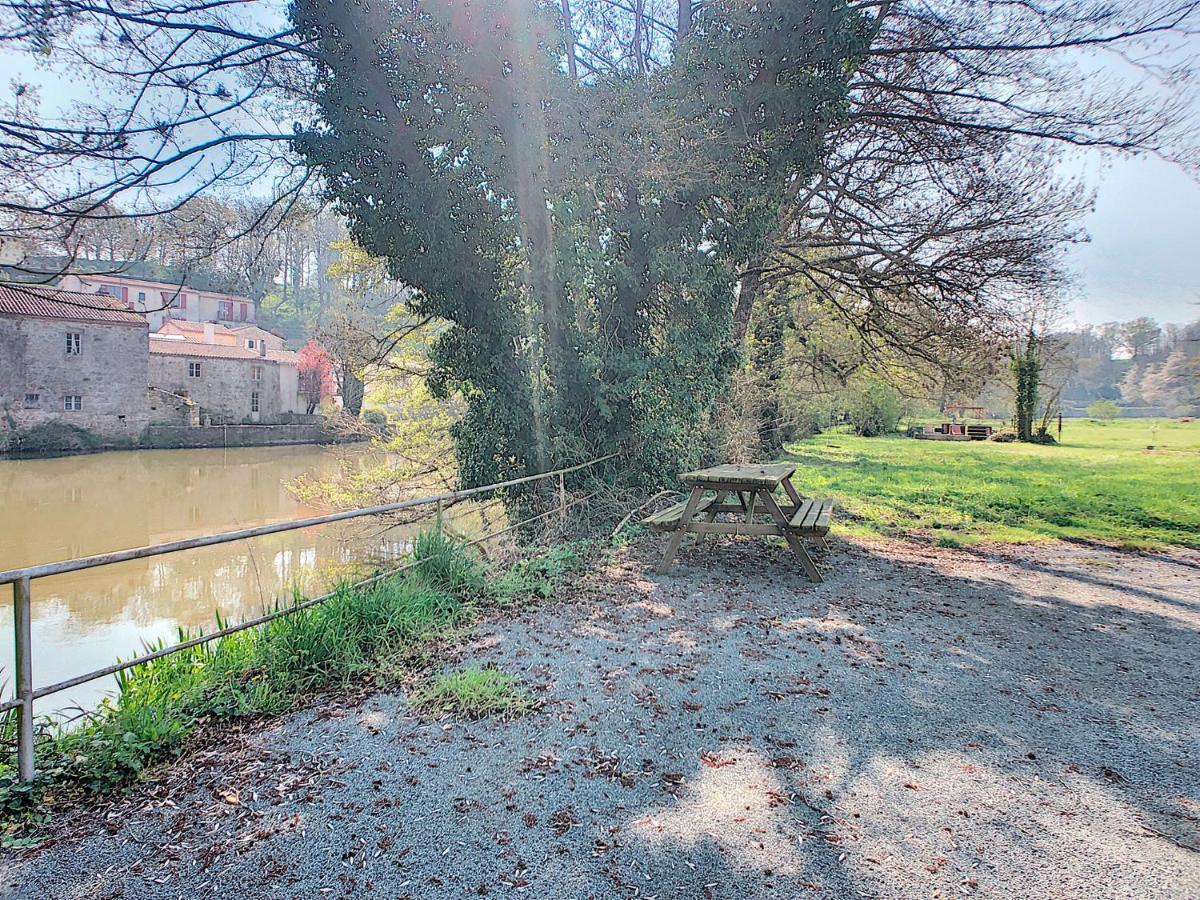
(105, 559)
(21, 580)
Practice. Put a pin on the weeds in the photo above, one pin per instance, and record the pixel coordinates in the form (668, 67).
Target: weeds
(356, 633)
(474, 694)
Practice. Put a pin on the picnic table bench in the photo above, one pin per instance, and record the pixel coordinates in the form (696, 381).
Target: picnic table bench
(753, 488)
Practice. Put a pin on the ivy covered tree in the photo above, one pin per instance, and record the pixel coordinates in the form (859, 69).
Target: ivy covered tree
(582, 229)
(1027, 372)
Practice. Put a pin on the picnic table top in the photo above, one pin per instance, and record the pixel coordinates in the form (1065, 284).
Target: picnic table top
(764, 476)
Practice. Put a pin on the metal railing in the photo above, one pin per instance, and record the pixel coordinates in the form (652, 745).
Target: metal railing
(22, 582)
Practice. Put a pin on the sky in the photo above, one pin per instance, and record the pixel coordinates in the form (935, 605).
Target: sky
(1143, 258)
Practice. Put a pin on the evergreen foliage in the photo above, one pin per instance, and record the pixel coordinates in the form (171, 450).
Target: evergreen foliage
(583, 237)
(1027, 370)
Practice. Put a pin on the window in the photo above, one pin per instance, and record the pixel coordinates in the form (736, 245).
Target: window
(183, 301)
(250, 344)
(242, 312)
(74, 342)
(194, 370)
(256, 373)
(72, 403)
(33, 401)
(225, 310)
(141, 296)
(254, 401)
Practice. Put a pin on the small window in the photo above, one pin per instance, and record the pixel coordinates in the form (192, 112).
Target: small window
(254, 401)
(194, 369)
(72, 403)
(33, 401)
(142, 296)
(256, 373)
(250, 343)
(74, 342)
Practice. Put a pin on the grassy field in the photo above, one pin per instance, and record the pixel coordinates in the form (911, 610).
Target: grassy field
(1101, 483)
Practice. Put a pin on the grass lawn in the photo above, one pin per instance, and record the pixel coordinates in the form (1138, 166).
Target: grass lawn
(1101, 483)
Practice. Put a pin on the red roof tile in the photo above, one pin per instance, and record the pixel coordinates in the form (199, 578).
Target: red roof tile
(192, 348)
(168, 347)
(51, 303)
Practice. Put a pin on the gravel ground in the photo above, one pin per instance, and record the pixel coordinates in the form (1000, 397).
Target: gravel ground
(1021, 723)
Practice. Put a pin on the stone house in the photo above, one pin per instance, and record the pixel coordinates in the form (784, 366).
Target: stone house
(231, 384)
(79, 358)
(163, 301)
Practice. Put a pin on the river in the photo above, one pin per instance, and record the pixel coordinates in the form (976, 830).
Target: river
(53, 509)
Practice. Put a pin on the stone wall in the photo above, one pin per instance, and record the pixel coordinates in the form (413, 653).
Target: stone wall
(224, 388)
(171, 436)
(109, 375)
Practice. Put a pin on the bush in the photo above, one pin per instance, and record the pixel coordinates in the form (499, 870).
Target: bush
(55, 437)
(1105, 410)
(873, 407)
(375, 417)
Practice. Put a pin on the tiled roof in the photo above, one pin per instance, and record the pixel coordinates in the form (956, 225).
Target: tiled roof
(50, 303)
(193, 348)
(166, 347)
(198, 327)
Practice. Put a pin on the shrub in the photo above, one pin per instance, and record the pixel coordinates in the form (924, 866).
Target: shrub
(55, 437)
(375, 417)
(873, 407)
(1105, 410)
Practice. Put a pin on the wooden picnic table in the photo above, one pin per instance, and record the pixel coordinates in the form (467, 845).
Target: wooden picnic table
(755, 503)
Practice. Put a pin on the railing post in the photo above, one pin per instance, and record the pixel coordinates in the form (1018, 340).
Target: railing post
(22, 616)
(562, 501)
(440, 527)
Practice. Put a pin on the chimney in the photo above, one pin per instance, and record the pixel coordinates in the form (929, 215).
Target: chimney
(210, 333)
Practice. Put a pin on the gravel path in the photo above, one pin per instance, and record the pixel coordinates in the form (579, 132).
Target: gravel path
(926, 723)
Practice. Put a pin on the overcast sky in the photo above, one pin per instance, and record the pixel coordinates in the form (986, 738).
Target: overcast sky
(1144, 255)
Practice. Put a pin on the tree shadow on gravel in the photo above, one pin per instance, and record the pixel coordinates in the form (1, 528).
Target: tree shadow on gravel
(1025, 704)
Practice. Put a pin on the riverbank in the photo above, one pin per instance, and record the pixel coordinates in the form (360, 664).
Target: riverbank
(52, 442)
(78, 506)
(374, 633)
(1003, 723)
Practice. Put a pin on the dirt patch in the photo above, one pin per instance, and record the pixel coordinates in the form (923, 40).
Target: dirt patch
(1015, 722)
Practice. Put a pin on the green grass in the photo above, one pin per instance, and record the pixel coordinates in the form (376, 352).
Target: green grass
(1100, 484)
(359, 635)
(474, 693)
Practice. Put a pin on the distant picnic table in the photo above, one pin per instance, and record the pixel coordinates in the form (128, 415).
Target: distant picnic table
(753, 489)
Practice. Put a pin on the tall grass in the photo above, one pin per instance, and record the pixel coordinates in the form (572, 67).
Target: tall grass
(358, 632)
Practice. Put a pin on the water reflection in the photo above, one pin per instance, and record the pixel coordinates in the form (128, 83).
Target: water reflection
(61, 508)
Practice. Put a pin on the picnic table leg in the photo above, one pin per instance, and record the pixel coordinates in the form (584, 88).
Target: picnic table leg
(712, 514)
(806, 561)
(680, 530)
(792, 493)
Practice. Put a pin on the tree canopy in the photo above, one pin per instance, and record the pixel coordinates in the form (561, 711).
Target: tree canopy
(584, 236)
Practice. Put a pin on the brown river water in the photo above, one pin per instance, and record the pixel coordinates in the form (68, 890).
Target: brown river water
(53, 509)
